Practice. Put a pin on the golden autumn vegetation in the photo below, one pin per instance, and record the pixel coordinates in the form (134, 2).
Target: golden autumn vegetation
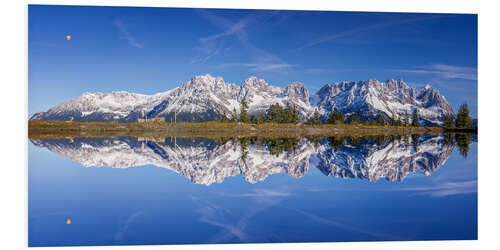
(50, 129)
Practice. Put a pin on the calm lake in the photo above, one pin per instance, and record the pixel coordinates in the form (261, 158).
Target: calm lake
(134, 191)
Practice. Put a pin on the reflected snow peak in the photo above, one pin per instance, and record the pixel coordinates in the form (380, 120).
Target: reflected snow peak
(207, 161)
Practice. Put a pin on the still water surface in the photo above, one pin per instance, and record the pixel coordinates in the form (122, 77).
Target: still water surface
(133, 191)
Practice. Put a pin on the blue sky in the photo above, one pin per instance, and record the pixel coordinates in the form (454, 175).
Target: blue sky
(150, 50)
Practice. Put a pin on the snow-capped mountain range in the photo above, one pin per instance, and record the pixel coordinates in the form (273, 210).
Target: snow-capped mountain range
(208, 161)
(205, 98)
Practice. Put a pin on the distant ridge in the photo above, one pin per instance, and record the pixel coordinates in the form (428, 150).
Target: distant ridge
(205, 98)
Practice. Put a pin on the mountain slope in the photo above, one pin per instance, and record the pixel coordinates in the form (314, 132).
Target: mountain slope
(205, 98)
(372, 98)
(115, 106)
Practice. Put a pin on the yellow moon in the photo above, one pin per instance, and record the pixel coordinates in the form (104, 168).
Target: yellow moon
(68, 221)
(68, 37)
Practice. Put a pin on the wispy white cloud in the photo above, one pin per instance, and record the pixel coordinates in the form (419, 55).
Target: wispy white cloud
(444, 189)
(214, 216)
(261, 66)
(445, 71)
(212, 45)
(315, 70)
(231, 30)
(126, 34)
(362, 29)
(259, 193)
(125, 225)
(219, 216)
(441, 189)
(207, 51)
(347, 227)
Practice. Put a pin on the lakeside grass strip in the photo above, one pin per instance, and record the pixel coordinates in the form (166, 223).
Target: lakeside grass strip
(58, 129)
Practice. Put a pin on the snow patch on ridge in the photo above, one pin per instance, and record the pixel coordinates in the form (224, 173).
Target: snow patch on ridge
(207, 97)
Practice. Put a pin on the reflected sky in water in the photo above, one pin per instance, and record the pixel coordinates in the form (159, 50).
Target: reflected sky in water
(126, 190)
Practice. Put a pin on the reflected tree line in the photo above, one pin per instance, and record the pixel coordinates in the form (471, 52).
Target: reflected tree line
(275, 146)
(278, 146)
(461, 140)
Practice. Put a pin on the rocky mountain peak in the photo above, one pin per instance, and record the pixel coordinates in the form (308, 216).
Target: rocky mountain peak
(202, 81)
(206, 94)
(393, 98)
(255, 83)
(298, 91)
(396, 83)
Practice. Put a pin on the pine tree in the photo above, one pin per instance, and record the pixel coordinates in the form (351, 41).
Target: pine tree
(354, 119)
(315, 119)
(335, 117)
(290, 115)
(234, 116)
(463, 118)
(260, 118)
(286, 116)
(339, 117)
(414, 118)
(223, 117)
(380, 120)
(244, 111)
(448, 121)
(363, 120)
(406, 120)
(393, 120)
(253, 119)
(415, 142)
(275, 113)
(463, 140)
(331, 116)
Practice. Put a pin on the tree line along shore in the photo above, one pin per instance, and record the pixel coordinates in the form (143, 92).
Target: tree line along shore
(277, 114)
(277, 121)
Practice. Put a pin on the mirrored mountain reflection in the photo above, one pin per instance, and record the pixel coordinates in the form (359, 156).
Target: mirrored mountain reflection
(205, 161)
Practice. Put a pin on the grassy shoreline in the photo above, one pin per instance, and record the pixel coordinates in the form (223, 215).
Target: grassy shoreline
(58, 129)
